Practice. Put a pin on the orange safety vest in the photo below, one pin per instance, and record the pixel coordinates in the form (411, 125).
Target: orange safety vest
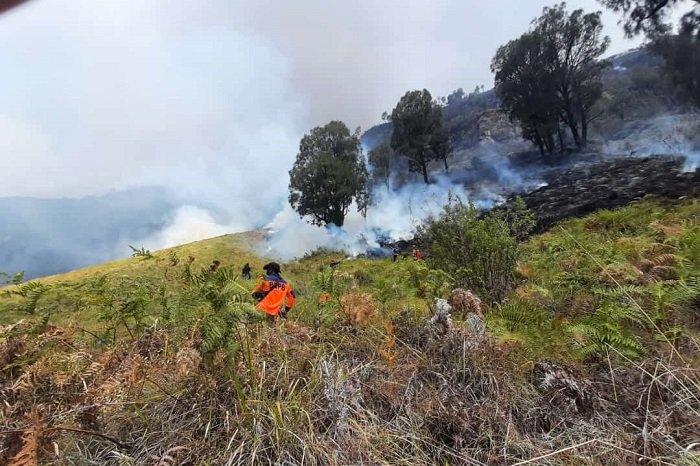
(274, 289)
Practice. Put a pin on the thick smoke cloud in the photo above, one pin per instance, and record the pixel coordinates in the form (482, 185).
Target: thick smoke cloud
(209, 99)
(355, 60)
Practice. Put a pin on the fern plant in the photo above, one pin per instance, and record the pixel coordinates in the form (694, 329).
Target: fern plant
(219, 305)
(30, 293)
(608, 326)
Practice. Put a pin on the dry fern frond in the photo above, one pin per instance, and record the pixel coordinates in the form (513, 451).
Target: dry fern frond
(167, 458)
(645, 265)
(583, 304)
(619, 273)
(187, 361)
(359, 308)
(667, 231)
(27, 383)
(665, 260)
(465, 301)
(525, 271)
(28, 455)
(663, 272)
(654, 249)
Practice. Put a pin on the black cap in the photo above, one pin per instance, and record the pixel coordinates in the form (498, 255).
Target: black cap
(272, 267)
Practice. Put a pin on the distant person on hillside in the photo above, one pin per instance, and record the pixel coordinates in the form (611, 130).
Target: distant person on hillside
(271, 292)
(246, 271)
(395, 254)
(334, 263)
(417, 255)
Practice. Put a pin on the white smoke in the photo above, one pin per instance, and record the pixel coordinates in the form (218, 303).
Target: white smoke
(394, 215)
(190, 223)
(676, 135)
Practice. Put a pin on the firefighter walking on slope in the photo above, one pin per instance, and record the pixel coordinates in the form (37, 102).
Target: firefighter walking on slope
(271, 292)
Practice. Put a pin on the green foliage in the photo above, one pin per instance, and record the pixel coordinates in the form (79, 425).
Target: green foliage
(519, 316)
(122, 304)
(427, 282)
(418, 134)
(221, 331)
(519, 220)
(517, 66)
(332, 282)
(607, 328)
(478, 252)
(30, 293)
(7, 279)
(681, 54)
(650, 16)
(329, 172)
(551, 74)
(143, 252)
(379, 159)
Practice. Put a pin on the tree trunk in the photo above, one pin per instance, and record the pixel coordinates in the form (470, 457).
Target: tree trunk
(424, 168)
(584, 129)
(337, 217)
(540, 146)
(574, 132)
(447, 169)
(550, 144)
(569, 118)
(561, 139)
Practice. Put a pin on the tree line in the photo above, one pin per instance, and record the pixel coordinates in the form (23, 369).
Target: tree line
(548, 80)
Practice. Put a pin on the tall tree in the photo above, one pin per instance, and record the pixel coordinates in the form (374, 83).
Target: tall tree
(651, 17)
(681, 53)
(552, 73)
(526, 88)
(379, 159)
(417, 133)
(574, 43)
(328, 174)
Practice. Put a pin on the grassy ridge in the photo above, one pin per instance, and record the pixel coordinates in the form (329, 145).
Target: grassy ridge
(159, 359)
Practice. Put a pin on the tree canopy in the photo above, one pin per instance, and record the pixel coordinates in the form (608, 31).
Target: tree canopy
(418, 133)
(651, 17)
(680, 52)
(526, 88)
(379, 159)
(552, 74)
(328, 174)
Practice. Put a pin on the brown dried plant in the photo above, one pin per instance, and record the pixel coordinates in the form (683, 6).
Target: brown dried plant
(658, 263)
(389, 353)
(465, 301)
(28, 455)
(168, 458)
(359, 308)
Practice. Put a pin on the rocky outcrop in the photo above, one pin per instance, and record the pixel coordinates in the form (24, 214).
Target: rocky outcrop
(607, 185)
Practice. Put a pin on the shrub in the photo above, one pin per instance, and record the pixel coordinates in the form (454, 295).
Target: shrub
(477, 251)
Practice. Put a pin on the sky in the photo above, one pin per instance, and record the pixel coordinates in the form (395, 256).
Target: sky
(212, 96)
(209, 98)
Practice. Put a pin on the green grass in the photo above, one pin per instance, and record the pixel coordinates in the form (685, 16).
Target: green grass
(176, 356)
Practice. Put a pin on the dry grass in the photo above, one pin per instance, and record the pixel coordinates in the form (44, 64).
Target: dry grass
(408, 388)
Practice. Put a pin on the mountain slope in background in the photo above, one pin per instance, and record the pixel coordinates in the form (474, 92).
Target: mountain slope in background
(48, 236)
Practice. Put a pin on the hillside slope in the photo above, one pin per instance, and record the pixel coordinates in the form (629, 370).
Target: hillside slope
(161, 359)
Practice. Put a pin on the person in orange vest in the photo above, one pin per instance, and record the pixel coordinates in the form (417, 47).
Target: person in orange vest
(417, 255)
(271, 292)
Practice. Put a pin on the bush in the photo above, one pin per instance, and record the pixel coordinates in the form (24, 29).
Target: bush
(477, 251)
